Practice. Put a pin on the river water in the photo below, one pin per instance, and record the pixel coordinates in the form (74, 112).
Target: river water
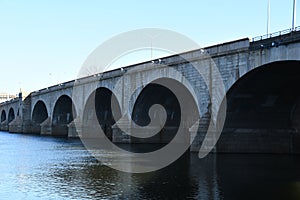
(34, 167)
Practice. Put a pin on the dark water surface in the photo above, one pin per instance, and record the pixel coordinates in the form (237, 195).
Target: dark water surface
(34, 167)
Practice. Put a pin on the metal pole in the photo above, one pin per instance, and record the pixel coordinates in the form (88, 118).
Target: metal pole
(294, 15)
(268, 20)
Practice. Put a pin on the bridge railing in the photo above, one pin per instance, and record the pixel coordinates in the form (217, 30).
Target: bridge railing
(276, 34)
(9, 101)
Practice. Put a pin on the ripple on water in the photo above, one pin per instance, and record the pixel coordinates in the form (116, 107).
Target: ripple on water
(34, 167)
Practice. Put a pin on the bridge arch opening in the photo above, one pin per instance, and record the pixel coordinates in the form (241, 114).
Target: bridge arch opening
(64, 113)
(3, 116)
(39, 113)
(98, 111)
(161, 91)
(11, 115)
(263, 110)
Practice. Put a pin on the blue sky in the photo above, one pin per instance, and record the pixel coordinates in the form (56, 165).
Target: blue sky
(43, 43)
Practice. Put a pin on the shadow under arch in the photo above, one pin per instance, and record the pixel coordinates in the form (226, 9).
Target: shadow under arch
(3, 116)
(64, 113)
(98, 111)
(168, 93)
(39, 115)
(11, 115)
(263, 111)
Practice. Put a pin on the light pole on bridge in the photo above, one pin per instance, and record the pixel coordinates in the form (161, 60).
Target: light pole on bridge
(268, 18)
(294, 15)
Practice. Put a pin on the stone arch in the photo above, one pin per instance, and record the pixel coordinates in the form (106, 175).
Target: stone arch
(263, 106)
(64, 112)
(143, 78)
(3, 116)
(98, 111)
(39, 113)
(168, 93)
(11, 115)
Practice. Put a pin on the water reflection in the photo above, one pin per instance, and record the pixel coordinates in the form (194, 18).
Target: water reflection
(35, 167)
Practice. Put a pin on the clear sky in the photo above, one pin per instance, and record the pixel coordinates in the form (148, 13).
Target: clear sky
(43, 43)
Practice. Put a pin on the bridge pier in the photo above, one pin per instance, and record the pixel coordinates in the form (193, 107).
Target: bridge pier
(27, 128)
(16, 126)
(259, 141)
(199, 129)
(118, 136)
(34, 128)
(46, 127)
(4, 125)
(75, 128)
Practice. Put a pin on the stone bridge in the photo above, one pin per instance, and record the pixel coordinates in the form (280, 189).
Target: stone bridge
(261, 79)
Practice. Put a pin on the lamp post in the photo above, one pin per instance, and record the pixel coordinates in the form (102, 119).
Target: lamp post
(268, 19)
(294, 15)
